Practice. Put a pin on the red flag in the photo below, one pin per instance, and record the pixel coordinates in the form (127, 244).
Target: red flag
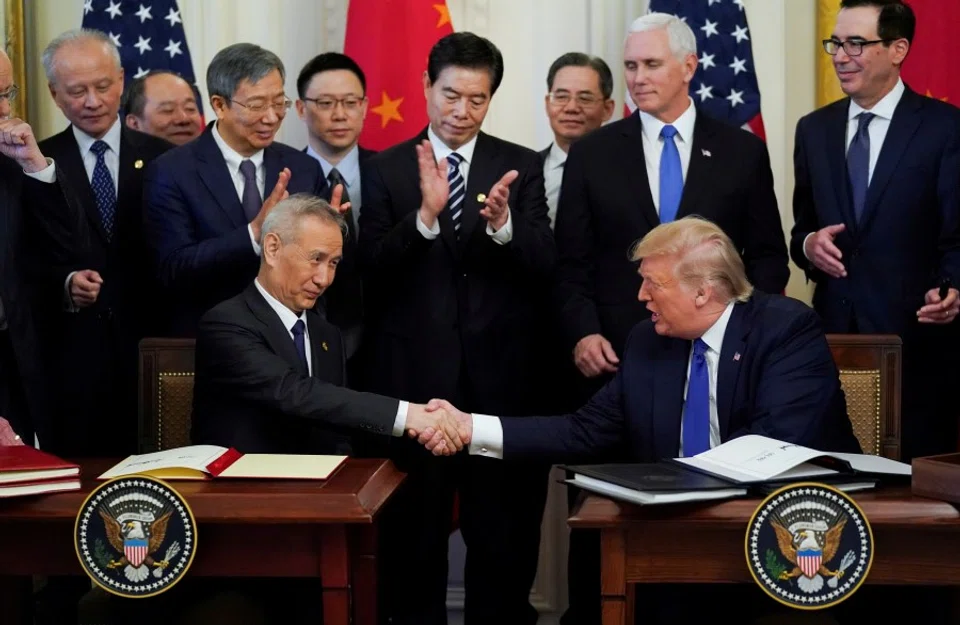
(929, 68)
(391, 41)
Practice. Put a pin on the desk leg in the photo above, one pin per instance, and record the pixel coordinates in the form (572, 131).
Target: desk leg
(335, 575)
(16, 600)
(363, 556)
(615, 607)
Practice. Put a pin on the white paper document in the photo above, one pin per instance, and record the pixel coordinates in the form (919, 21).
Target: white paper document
(182, 460)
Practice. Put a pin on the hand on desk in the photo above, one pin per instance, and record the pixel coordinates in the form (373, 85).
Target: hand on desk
(447, 434)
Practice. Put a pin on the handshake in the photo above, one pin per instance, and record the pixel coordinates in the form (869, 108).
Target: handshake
(439, 427)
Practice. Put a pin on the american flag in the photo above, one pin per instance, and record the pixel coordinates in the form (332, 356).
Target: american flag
(725, 85)
(148, 33)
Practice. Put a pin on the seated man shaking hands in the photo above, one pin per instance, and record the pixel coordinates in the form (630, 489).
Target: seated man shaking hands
(715, 361)
(270, 370)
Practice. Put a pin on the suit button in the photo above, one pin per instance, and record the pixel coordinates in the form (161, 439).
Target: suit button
(464, 275)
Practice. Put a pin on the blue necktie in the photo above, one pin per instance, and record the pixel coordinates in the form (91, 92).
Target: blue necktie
(858, 163)
(298, 329)
(103, 189)
(671, 176)
(458, 189)
(252, 202)
(696, 410)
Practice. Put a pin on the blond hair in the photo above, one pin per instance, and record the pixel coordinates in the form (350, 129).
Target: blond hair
(707, 255)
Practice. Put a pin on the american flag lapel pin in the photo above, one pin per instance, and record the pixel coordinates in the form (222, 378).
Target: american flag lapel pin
(325, 348)
(707, 154)
(736, 356)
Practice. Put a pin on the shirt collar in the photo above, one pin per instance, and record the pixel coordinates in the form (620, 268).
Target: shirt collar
(713, 337)
(684, 124)
(556, 157)
(441, 151)
(287, 316)
(349, 166)
(233, 157)
(112, 139)
(885, 107)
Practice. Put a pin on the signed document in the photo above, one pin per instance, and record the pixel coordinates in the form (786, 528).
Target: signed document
(203, 462)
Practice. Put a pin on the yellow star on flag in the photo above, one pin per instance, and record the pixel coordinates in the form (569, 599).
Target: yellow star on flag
(444, 14)
(930, 95)
(388, 110)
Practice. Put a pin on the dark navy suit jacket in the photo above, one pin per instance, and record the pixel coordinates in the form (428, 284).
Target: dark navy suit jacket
(196, 226)
(776, 378)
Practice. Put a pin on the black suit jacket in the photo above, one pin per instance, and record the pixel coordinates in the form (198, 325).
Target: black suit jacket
(909, 234)
(196, 227)
(605, 207)
(776, 377)
(252, 393)
(455, 317)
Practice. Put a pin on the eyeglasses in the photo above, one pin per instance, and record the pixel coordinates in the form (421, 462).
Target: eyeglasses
(350, 103)
(562, 98)
(10, 94)
(852, 48)
(280, 108)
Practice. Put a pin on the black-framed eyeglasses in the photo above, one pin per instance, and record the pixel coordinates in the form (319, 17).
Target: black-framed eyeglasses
(10, 94)
(280, 108)
(350, 103)
(562, 98)
(853, 47)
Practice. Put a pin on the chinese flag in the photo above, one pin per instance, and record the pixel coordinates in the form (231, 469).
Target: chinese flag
(391, 41)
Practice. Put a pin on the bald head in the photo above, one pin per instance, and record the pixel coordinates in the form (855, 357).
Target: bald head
(6, 85)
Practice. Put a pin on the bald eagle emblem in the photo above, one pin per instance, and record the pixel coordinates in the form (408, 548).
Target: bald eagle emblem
(135, 536)
(809, 546)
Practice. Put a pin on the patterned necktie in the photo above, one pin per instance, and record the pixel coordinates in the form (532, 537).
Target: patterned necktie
(252, 202)
(103, 188)
(352, 216)
(458, 189)
(671, 176)
(696, 410)
(858, 163)
(298, 329)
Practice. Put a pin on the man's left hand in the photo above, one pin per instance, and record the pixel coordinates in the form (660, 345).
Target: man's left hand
(496, 210)
(17, 142)
(937, 310)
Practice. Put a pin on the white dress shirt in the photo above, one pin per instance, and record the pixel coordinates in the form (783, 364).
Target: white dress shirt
(877, 130)
(288, 318)
(111, 157)
(349, 168)
(653, 146)
(233, 160)
(440, 151)
(552, 178)
(487, 437)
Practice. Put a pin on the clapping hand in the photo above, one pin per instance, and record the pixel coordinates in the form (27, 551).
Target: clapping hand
(434, 188)
(496, 210)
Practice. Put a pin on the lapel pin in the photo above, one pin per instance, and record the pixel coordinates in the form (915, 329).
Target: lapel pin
(481, 197)
(138, 164)
(736, 356)
(324, 346)
(706, 153)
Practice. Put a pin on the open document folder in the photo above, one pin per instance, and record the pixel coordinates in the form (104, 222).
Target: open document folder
(201, 462)
(731, 470)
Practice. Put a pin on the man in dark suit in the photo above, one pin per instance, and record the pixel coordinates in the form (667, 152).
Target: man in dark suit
(715, 361)
(204, 200)
(333, 104)
(877, 213)
(92, 330)
(458, 258)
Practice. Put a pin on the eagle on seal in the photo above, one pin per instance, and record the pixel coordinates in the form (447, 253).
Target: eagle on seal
(137, 540)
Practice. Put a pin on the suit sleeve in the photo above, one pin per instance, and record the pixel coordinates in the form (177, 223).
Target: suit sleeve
(948, 192)
(594, 429)
(184, 262)
(574, 236)
(238, 360)
(765, 250)
(804, 212)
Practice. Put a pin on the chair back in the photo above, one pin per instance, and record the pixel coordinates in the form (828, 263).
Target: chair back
(166, 393)
(870, 370)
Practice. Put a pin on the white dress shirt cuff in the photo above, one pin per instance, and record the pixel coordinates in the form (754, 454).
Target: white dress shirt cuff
(68, 304)
(487, 437)
(428, 233)
(805, 239)
(253, 240)
(48, 174)
(505, 234)
(400, 423)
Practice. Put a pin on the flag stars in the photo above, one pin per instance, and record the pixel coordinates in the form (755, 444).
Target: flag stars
(114, 9)
(738, 65)
(87, 6)
(144, 13)
(115, 38)
(173, 48)
(705, 92)
(739, 3)
(740, 32)
(173, 17)
(707, 60)
(713, 2)
(710, 28)
(143, 44)
(140, 72)
(735, 97)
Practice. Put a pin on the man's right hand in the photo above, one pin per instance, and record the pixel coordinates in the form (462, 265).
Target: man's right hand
(434, 188)
(279, 193)
(434, 439)
(821, 251)
(85, 288)
(449, 438)
(594, 355)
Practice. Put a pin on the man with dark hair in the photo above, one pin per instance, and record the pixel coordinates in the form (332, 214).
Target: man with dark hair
(162, 104)
(333, 104)
(457, 251)
(204, 202)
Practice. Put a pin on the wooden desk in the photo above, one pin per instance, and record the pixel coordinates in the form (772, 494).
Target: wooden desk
(246, 528)
(917, 541)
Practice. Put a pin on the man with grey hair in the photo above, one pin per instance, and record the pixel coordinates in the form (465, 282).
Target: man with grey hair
(205, 200)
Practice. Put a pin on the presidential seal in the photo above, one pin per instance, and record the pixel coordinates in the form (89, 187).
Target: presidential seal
(135, 536)
(809, 546)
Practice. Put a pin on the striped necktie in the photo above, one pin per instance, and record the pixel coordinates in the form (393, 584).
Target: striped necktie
(458, 189)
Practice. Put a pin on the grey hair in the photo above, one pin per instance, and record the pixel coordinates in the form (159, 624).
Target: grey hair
(285, 218)
(74, 36)
(239, 62)
(681, 37)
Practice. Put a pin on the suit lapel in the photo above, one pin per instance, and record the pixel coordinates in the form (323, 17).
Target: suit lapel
(272, 164)
(700, 170)
(277, 336)
(836, 142)
(212, 169)
(728, 370)
(325, 367)
(484, 170)
(670, 375)
(635, 170)
(76, 174)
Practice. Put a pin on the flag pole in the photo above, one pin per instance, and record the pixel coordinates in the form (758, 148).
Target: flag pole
(16, 49)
